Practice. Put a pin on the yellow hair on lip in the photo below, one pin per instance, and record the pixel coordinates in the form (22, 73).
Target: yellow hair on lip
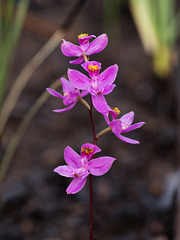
(87, 150)
(125, 127)
(116, 110)
(93, 68)
(82, 35)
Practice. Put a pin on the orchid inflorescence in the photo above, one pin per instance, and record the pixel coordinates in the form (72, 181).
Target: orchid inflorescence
(97, 84)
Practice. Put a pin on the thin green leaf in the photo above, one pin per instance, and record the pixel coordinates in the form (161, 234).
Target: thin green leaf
(8, 16)
(19, 19)
(1, 23)
(10, 38)
(142, 12)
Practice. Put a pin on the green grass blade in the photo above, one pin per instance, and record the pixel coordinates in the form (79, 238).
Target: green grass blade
(8, 15)
(140, 10)
(1, 23)
(19, 20)
(10, 32)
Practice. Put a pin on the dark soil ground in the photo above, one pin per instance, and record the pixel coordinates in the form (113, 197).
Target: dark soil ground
(136, 199)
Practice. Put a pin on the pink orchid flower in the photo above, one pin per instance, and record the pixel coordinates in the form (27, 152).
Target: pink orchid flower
(97, 85)
(85, 48)
(123, 125)
(70, 96)
(79, 166)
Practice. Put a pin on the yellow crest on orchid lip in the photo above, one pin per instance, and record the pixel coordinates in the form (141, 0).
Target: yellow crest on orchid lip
(82, 35)
(116, 110)
(66, 94)
(125, 127)
(87, 150)
(93, 68)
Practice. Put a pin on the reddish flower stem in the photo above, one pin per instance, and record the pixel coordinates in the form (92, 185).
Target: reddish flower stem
(91, 208)
(92, 124)
(90, 181)
(90, 176)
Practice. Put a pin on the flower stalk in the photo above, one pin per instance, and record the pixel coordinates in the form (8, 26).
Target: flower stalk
(85, 57)
(84, 102)
(91, 181)
(103, 132)
(97, 84)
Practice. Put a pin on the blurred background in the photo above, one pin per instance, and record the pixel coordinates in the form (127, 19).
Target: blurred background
(139, 198)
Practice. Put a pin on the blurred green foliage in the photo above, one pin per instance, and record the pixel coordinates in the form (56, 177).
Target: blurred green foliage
(158, 25)
(111, 17)
(11, 21)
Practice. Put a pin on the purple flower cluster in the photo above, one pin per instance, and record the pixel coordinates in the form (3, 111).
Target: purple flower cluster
(97, 84)
(79, 166)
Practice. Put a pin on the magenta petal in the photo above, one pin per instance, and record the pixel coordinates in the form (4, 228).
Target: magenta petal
(128, 140)
(101, 165)
(116, 127)
(54, 93)
(132, 127)
(84, 93)
(108, 76)
(67, 86)
(100, 104)
(108, 89)
(72, 158)
(76, 185)
(65, 109)
(127, 118)
(78, 60)
(78, 79)
(106, 119)
(97, 45)
(66, 171)
(70, 50)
